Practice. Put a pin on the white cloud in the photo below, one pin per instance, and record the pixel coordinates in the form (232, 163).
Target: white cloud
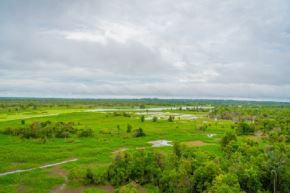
(201, 48)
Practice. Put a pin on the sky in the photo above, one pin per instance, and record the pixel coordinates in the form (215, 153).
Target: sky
(237, 49)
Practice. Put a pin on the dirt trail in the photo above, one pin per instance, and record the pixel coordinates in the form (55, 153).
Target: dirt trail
(40, 167)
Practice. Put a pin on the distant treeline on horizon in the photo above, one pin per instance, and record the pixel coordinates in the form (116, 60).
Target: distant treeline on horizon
(137, 101)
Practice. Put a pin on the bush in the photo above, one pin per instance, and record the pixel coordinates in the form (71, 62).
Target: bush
(93, 178)
(142, 167)
(129, 128)
(76, 174)
(125, 114)
(47, 129)
(226, 183)
(203, 176)
(139, 133)
(244, 128)
(129, 188)
(171, 118)
(142, 118)
(86, 132)
(229, 136)
(105, 131)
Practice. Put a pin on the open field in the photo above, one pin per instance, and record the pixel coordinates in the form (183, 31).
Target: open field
(196, 130)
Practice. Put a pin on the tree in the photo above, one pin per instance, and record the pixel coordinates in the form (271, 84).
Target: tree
(155, 119)
(244, 128)
(129, 188)
(225, 183)
(173, 181)
(228, 137)
(171, 118)
(142, 118)
(129, 128)
(278, 167)
(89, 177)
(203, 177)
(177, 150)
(88, 132)
(118, 128)
(139, 133)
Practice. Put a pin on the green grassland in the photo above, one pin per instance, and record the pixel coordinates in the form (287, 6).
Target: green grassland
(98, 151)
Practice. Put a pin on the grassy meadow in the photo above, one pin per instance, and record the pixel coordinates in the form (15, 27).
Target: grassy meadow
(110, 137)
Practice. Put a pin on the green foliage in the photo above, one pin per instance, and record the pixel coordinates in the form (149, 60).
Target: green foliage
(87, 132)
(47, 129)
(142, 118)
(118, 129)
(245, 163)
(177, 149)
(125, 114)
(244, 128)
(91, 177)
(278, 166)
(173, 181)
(129, 128)
(142, 167)
(94, 190)
(225, 183)
(228, 137)
(139, 133)
(202, 127)
(171, 118)
(204, 176)
(129, 188)
(155, 119)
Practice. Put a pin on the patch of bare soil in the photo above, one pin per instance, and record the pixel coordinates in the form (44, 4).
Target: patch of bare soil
(119, 150)
(107, 188)
(194, 143)
(21, 189)
(58, 171)
(79, 190)
(63, 189)
(142, 189)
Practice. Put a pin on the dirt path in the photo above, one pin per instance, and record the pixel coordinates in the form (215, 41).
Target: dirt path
(40, 167)
(61, 187)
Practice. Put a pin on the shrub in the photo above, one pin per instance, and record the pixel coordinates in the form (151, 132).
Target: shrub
(142, 118)
(92, 177)
(171, 118)
(244, 128)
(125, 114)
(129, 128)
(129, 188)
(105, 131)
(139, 133)
(47, 129)
(229, 136)
(88, 132)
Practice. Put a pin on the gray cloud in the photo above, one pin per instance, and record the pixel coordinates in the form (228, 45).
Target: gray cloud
(193, 49)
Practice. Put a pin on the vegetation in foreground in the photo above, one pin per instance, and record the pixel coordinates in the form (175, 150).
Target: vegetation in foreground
(229, 147)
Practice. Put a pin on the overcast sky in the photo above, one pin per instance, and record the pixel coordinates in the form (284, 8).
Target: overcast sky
(158, 48)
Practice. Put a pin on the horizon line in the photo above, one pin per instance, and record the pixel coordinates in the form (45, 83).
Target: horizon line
(156, 98)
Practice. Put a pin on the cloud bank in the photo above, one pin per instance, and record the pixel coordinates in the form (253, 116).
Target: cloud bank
(160, 48)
